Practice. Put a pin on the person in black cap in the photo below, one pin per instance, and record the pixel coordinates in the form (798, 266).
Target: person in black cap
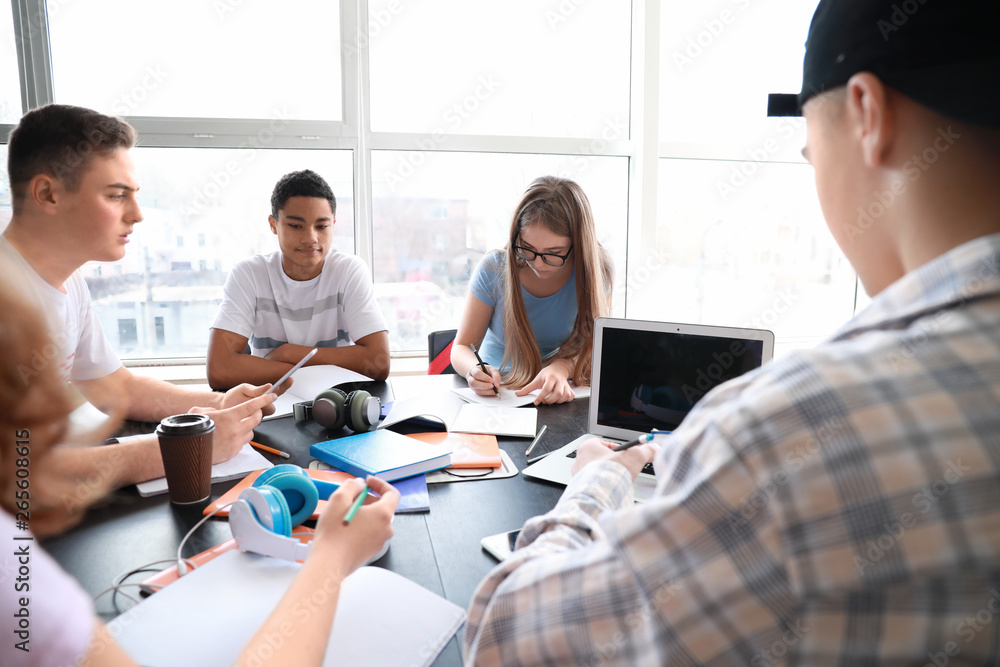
(840, 505)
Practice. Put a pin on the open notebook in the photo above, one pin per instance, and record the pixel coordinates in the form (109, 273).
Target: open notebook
(649, 375)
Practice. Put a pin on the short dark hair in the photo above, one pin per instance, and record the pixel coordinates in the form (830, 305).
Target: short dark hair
(305, 183)
(61, 140)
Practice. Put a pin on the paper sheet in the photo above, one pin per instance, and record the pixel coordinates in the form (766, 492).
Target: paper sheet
(309, 381)
(508, 397)
(246, 460)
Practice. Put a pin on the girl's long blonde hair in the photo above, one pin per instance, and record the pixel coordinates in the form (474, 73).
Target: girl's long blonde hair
(35, 404)
(561, 206)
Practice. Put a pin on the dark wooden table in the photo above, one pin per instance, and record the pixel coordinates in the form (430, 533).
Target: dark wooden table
(439, 549)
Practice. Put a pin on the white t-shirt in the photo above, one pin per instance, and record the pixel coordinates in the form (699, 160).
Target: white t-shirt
(57, 612)
(334, 309)
(78, 344)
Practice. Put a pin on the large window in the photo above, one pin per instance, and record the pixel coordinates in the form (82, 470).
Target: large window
(739, 236)
(10, 90)
(429, 120)
(519, 68)
(191, 58)
(204, 211)
(432, 228)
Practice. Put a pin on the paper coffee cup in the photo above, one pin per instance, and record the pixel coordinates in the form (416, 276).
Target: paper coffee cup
(186, 448)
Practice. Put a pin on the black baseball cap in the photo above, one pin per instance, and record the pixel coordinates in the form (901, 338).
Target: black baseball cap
(944, 54)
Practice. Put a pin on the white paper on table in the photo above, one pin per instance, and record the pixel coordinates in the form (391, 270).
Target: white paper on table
(515, 422)
(246, 461)
(309, 381)
(462, 417)
(508, 397)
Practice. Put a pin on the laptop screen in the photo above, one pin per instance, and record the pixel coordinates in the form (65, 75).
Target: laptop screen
(652, 373)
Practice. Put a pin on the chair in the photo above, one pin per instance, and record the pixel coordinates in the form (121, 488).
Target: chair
(439, 352)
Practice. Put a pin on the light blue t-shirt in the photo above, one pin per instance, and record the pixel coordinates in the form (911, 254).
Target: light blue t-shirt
(552, 317)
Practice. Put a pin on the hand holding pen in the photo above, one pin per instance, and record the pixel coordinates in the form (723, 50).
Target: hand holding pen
(485, 370)
(633, 454)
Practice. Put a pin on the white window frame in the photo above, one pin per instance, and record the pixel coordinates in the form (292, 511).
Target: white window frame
(642, 147)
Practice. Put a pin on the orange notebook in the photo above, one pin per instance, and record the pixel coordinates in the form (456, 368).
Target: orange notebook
(169, 575)
(230, 496)
(469, 450)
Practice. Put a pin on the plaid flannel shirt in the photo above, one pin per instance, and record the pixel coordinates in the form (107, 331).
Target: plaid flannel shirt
(838, 506)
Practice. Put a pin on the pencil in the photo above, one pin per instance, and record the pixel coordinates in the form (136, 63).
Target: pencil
(537, 438)
(483, 366)
(277, 452)
(356, 506)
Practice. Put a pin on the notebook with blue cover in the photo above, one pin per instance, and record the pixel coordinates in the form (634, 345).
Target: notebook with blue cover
(385, 454)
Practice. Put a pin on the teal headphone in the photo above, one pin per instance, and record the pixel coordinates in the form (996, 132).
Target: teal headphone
(263, 516)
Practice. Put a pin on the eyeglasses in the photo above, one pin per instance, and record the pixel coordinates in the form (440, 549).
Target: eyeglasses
(550, 258)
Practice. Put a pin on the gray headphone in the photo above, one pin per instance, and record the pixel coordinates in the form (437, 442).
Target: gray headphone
(334, 409)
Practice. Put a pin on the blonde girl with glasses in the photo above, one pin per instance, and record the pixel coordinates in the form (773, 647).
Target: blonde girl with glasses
(531, 305)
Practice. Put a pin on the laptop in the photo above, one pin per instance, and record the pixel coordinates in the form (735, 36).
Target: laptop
(647, 376)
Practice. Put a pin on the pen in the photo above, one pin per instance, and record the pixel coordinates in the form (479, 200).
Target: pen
(356, 506)
(278, 452)
(483, 366)
(645, 437)
(309, 355)
(537, 438)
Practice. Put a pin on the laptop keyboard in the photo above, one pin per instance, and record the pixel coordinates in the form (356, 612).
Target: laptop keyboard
(646, 469)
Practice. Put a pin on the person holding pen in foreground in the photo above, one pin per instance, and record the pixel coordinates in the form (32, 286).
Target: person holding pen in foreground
(74, 198)
(840, 505)
(531, 305)
(64, 627)
(304, 295)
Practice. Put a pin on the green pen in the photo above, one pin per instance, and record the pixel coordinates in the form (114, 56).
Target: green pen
(356, 506)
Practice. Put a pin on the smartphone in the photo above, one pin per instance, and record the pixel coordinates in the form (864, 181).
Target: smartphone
(302, 361)
(500, 546)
